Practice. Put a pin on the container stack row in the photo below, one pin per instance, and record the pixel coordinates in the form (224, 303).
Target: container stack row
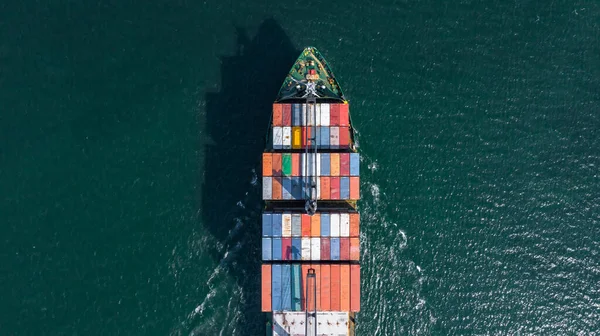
(296, 188)
(301, 164)
(321, 224)
(284, 287)
(326, 137)
(327, 115)
(316, 248)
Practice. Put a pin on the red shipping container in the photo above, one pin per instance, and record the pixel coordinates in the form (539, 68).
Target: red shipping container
(345, 164)
(354, 225)
(325, 287)
(277, 188)
(335, 187)
(277, 115)
(345, 287)
(354, 188)
(315, 225)
(305, 225)
(267, 164)
(344, 115)
(287, 114)
(335, 288)
(325, 249)
(325, 188)
(296, 164)
(344, 137)
(354, 288)
(317, 268)
(306, 133)
(286, 248)
(305, 268)
(344, 248)
(266, 288)
(276, 163)
(354, 249)
(334, 115)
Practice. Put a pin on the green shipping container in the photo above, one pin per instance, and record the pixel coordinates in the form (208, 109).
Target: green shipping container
(286, 164)
(296, 285)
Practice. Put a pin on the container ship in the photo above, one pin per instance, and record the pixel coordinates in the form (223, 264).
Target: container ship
(310, 224)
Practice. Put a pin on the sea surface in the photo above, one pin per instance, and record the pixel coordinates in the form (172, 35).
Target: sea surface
(130, 141)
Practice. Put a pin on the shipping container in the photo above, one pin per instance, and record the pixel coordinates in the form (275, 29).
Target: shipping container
(267, 186)
(304, 268)
(286, 225)
(334, 111)
(286, 287)
(344, 164)
(318, 136)
(306, 135)
(334, 184)
(344, 248)
(296, 225)
(266, 248)
(310, 114)
(354, 187)
(326, 287)
(286, 248)
(354, 249)
(334, 220)
(278, 137)
(315, 225)
(296, 137)
(296, 115)
(325, 187)
(276, 253)
(325, 136)
(325, 115)
(296, 287)
(344, 225)
(344, 115)
(306, 248)
(286, 115)
(344, 187)
(286, 188)
(334, 248)
(318, 188)
(277, 188)
(295, 164)
(267, 164)
(325, 224)
(354, 225)
(277, 115)
(345, 287)
(267, 224)
(315, 248)
(317, 268)
(277, 219)
(276, 287)
(296, 188)
(344, 137)
(325, 249)
(335, 288)
(355, 288)
(354, 164)
(334, 164)
(334, 137)
(276, 164)
(286, 164)
(318, 109)
(325, 164)
(306, 225)
(296, 248)
(287, 137)
(266, 298)
(318, 158)
(304, 114)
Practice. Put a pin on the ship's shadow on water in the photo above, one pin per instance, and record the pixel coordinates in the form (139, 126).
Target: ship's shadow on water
(237, 119)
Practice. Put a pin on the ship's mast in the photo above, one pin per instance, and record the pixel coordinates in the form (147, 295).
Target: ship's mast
(311, 150)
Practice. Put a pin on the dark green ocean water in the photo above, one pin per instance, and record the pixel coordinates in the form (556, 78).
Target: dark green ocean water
(131, 133)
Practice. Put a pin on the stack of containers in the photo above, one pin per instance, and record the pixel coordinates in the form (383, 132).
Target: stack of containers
(294, 242)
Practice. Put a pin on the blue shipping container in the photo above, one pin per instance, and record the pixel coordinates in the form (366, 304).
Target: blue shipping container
(354, 164)
(296, 188)
(266, 248)
(267, 225)
(335, 248)
(296, 114)
(325, 224)
(318, 135)
(296, 248)
(325, 137)
(296, 225)
(325, 164)
(287, 188)
(276, 287)
(276, 255)
(344, 187)
(276, 225)
(286, 287)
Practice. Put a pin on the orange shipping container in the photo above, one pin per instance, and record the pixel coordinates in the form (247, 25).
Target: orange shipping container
(266, 288)
(325, 188)
(354, 249)
(354, 225)
(354, 187)
(317, 268)
(287, 114)
(306, 134)
(354, 288)
(345, 287)
(267, 164)
(335, 288)
(276, 163)
(277, 188)
(335, 187)
(315, 225)
(325, 287)
(334, 167)
(306, 227)
(305, 268)
(277, 115)
(344, 115)
(296, 164)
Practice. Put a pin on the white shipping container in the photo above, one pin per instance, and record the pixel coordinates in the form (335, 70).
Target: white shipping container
(303, 115)
(303, 164)
(267, 188)
(325, 114)
(334, 222)
(286, 225)
(334, 137)
(310, 114)
(287, 137)
(318, 106)
(318, 188)
(277, 137)
(315, 248)
(312, 157)
(344, 225)
(306, 249)
(318, 172)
